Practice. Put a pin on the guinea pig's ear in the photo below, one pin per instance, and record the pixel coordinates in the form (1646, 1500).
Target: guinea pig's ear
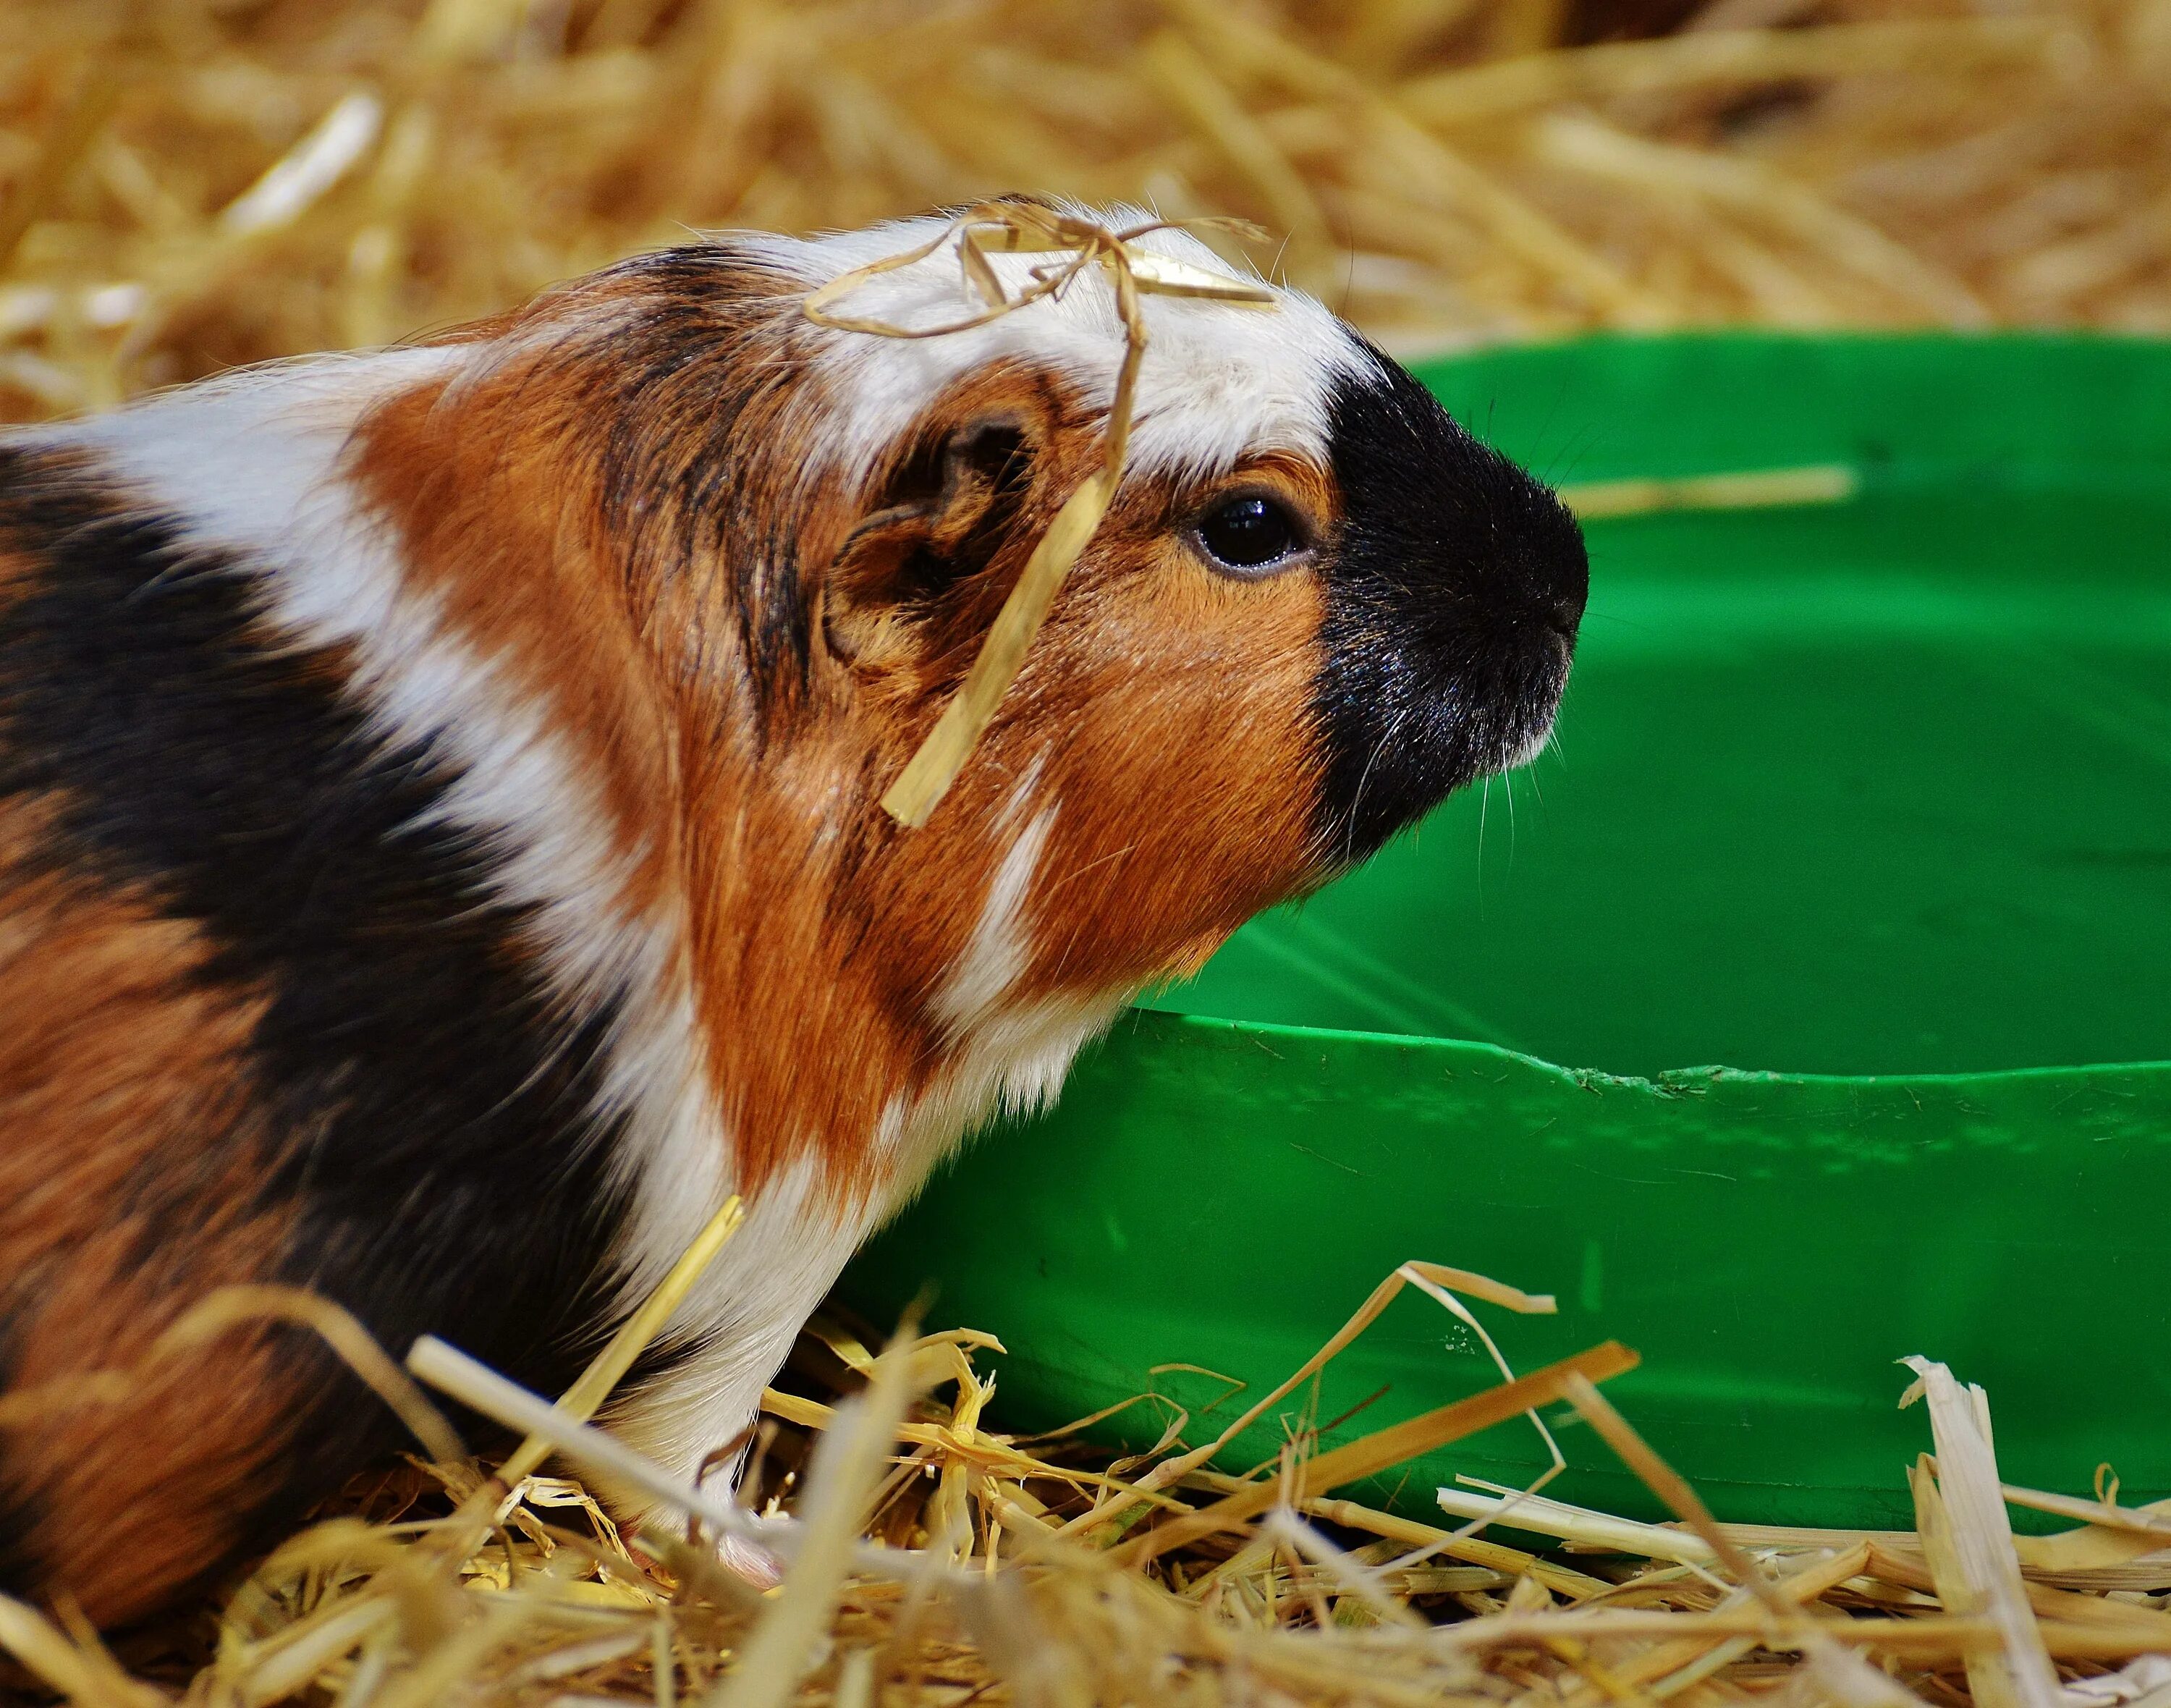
(944, 515)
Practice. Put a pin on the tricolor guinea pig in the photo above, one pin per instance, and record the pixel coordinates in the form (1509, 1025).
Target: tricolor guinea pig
(440, 855)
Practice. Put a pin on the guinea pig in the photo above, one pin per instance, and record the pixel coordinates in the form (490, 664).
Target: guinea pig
(440, 855)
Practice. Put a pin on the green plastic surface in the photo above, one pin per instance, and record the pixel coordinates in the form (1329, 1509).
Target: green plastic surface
(1868, 802)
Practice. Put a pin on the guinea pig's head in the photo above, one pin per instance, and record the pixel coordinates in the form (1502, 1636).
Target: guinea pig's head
(1317, 606)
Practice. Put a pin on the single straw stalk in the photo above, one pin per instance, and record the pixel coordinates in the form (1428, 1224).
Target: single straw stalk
(1527, 1512)
(581, 1400)
(1967, 1530)
(935, 765)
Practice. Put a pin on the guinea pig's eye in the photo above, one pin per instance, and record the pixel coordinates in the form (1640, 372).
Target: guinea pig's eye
(1249, 534)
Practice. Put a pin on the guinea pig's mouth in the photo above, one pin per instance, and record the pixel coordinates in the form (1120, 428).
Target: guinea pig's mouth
(1404, 727)
(1542, 709)
(1527, 712)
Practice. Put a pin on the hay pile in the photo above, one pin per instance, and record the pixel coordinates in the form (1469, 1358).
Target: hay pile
(186, 183)
(926, 1558)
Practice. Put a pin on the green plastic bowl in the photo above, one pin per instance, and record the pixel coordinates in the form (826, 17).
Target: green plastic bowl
(1868, 802)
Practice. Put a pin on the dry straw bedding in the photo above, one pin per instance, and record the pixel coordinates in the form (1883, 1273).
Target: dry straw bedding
(186, 183)
(187, 186)
(926, 1558)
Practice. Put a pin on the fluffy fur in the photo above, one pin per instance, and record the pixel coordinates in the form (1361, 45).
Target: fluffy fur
(439, 855)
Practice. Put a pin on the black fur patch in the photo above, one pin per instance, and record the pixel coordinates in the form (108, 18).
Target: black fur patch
(673, 392)
(434, 1109)
(19, 1507)
(20, 1573)
(1453, 594)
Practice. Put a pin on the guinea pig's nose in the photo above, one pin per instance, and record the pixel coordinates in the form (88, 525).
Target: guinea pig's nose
(1565, 586)
(1531, 568)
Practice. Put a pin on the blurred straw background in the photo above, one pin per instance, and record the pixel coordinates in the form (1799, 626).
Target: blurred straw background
(188, 183)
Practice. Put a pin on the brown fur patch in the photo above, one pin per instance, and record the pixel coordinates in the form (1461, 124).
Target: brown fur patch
(117, 1063)
(494, 530)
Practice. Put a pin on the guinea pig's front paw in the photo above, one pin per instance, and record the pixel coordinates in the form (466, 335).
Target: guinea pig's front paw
(749, 1559)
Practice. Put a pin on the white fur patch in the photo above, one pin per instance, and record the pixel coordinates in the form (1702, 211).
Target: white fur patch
(1530, 747)
(242, 459)
(744, 1312)
(1013, 1063)
(1219, 381)
(1001, 942)
(796, 1239)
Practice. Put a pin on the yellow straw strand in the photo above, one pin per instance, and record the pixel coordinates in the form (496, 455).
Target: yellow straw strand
(585, 1396)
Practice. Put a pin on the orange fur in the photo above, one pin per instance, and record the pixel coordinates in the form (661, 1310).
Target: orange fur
(490, 524)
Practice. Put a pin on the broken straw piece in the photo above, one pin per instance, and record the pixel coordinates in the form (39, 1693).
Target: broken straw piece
(1521, 1511)
(1980, 1533)
(1175, 278)
(928, 774)
(293, 184)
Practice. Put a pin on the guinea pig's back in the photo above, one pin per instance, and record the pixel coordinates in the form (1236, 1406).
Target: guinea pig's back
(263, 1019)
(134, 1150)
